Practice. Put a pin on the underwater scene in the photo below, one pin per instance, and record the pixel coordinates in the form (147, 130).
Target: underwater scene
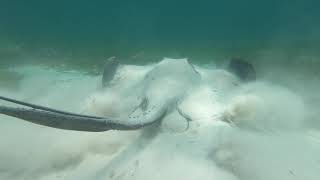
(160, 90)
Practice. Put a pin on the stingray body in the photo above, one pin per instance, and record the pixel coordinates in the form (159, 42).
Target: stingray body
(171, 86)
(159, 90)
(173, 98)
(193, 99)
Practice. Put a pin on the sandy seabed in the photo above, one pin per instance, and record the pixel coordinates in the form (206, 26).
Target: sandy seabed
(285, 146)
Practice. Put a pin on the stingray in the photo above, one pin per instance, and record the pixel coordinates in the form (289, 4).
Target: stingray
(145, 114)
(161, 96)
(157, 101)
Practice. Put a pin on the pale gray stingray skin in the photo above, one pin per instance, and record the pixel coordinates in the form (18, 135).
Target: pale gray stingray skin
(153, 107)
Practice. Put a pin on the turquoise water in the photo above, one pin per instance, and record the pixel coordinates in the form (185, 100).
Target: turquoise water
(84, 33)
